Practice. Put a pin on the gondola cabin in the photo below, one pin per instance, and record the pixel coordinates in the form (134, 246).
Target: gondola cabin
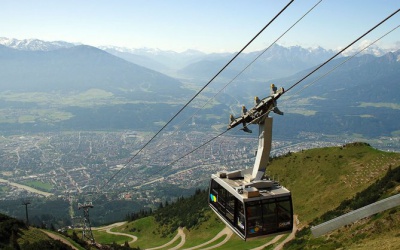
(252, 209)
(250, 203)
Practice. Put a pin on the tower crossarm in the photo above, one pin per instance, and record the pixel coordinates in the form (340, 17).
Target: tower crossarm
(259, 112)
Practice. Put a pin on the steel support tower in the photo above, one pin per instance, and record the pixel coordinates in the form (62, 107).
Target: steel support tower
(26, 203)
(87, 229)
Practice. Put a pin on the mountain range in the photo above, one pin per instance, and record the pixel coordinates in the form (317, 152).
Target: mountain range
(34, 44)
(276, 62)
(117, 86)
(198, 67)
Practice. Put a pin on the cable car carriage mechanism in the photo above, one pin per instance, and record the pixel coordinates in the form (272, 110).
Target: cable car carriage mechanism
(251, 204)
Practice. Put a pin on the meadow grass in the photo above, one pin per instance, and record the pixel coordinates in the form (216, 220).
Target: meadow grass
(39, 185)
(103, 237)
(272, 246)
(32, 235)
(204, 232)
(145, 230)
(237, 243)
(33, 115)
(68, 239)
(320, 179)
(379, 105)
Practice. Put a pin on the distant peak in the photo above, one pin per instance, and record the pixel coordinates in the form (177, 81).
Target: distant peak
(34, 44)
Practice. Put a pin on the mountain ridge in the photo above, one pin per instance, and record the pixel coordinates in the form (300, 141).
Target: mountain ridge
(80, 67)
(188, 64)
(34, 44)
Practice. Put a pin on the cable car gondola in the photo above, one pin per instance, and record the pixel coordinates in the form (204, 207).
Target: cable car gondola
(251, 204)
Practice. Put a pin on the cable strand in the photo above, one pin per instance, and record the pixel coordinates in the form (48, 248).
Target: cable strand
(295, 84)
(173, 162)
(244, 69)
(212, 79)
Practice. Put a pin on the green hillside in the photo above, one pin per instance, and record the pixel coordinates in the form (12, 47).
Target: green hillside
(325, 183)
(320, 179)
(14, 234)
(378, 231)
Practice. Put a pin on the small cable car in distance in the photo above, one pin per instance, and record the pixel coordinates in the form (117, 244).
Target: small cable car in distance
(251, 204)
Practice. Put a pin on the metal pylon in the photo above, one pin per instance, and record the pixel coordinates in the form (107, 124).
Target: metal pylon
(87, 229)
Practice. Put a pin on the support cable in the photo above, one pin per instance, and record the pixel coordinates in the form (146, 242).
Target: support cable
(212, 139)
(222, 133)
(195, 149)
(173, 162)
(243, 70)
(295, 84)
(212, 79)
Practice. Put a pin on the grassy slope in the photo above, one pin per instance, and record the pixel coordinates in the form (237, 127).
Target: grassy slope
(31, 235)
(67, 239)
(203, 232)
(320, 179)
(381, 231)
(103, 237)
(375, 232)
(144, 229)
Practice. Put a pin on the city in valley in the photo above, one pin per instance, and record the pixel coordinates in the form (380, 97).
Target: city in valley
(68, 164)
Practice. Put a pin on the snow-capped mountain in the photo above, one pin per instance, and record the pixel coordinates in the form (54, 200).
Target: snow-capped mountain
(34, 44)
(365, 48)
(278, 61)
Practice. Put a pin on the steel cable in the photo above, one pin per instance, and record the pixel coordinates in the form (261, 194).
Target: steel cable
(212, 79)
(173, 162)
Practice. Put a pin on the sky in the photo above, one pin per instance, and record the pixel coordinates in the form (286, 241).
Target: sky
(206, 25)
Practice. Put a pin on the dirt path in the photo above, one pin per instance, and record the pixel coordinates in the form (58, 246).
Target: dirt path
(291, 236)
(109, 227)
(183, 239)
(57, 237)
(180, 234)
(273, 241)
(226, 231)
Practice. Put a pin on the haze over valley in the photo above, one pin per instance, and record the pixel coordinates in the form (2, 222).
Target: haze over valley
(85, 88)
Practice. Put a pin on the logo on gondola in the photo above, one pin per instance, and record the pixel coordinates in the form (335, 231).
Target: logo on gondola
(213, 198)
(254, 230)
(284, 224)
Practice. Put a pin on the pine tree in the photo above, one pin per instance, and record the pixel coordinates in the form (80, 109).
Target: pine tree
(13, 240)
(126, 245)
